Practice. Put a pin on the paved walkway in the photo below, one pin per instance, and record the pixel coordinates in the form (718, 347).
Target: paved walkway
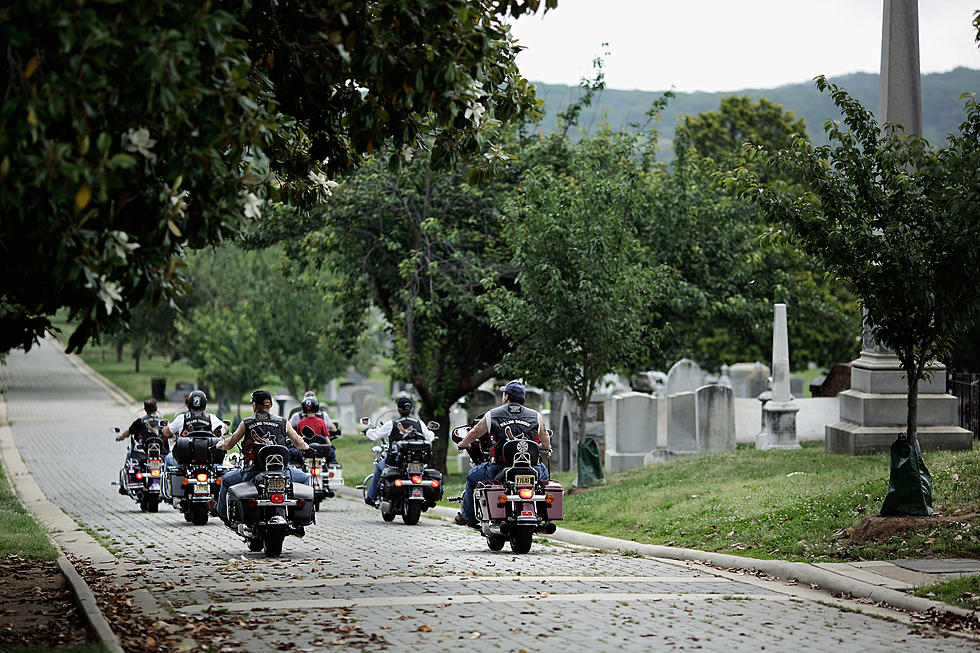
(360, 584)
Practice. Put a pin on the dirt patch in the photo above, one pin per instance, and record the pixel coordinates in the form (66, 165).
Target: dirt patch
(37, 606)
(876, 528)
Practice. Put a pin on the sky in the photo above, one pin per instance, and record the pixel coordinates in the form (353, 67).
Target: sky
(729, 45)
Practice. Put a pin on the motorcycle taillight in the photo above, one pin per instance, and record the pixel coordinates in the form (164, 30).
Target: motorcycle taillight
(526, 493)
(202, 478)
(276, 498)
(315, 471)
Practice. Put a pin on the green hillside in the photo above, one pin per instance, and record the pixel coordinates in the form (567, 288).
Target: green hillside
(942, 110)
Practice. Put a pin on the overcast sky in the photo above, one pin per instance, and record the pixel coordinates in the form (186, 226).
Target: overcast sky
(728, 45)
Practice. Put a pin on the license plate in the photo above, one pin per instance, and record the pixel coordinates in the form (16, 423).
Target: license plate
(524, 480)
(202, 488)
(414, 468)
(154, 464)
(276, 485)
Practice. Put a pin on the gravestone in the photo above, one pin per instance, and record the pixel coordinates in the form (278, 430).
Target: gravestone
(715, 411)
(357, 396)
(630, 429)
(837, 380)
(748, 379)
(779, 413)
(684, 376)
(682, 423)
(179, 394)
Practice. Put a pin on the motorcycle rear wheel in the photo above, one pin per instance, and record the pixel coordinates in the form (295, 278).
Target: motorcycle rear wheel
(152, 504)
(199, 514)
(412, 513)
(388, 515)
(255, 544)
(273, 542)
(496, 542)
(520, 540)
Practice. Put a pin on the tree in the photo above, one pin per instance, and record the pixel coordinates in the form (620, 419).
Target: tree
(718, 135)
(584, 304)
(893, 216)
(132, 131)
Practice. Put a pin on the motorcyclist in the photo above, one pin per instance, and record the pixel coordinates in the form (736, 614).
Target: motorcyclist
(148, 424)
(262, 428)
(320, 412)
(394, 431)
(195, 419)
(317, 424)
(522, 421)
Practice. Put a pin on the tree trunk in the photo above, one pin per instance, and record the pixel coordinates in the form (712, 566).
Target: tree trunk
(912, 419)
(119, 353)
(136, 357)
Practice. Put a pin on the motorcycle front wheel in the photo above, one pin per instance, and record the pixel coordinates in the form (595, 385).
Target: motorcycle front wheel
(496, 542)
(520, 540)
(412, 513)
(152, 504)
(255, 544)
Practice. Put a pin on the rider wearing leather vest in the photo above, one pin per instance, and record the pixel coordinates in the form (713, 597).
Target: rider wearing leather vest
(260, 430)
(410, 426)
(523, 423)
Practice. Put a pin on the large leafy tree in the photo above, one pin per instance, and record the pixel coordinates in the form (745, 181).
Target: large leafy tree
(129, 131)
(893, 216)
(585, 303)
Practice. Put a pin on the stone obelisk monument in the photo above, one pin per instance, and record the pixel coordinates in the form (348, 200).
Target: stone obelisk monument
(779, 413)
(873, 411)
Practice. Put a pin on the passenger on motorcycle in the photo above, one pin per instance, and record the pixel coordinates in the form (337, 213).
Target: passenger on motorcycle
(394, 434)
(195, 419)
(319, 412)
(522, 421)
(254, 432)
(319, 426)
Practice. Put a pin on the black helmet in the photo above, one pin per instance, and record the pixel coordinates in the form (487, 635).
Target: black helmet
(262, 398)
(310, 404)
(405, 405)
(197, 400)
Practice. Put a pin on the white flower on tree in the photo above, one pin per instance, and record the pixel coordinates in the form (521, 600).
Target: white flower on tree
(251, 203)
(324, 184)
(140, 141)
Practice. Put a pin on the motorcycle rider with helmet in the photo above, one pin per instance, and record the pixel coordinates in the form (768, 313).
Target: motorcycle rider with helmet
(317, 424)
(404, 405)
(195, 419)
(522, 421)
(261, 429)
(319, 412)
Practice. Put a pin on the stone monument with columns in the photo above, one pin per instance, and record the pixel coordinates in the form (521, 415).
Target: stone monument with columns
(779, 413)
(873, 411)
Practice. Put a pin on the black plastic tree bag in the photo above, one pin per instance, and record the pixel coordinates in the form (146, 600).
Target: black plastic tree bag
(909, 483)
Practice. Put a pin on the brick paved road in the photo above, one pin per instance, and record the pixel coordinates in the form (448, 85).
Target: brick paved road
(361, 584)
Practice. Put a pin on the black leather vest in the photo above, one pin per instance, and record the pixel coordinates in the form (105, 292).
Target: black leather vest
(149, 425)
(197, 420)
(523, 422)
(409, 424)
(260, 430)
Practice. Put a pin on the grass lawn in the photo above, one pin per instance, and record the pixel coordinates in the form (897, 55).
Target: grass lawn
(964, 592)
(19, 533)
(794, 505)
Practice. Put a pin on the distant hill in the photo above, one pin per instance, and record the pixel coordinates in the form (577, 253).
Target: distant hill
(942, 110)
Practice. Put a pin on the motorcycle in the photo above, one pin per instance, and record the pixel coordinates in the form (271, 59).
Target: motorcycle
(516, 504)
(190, 487)
(324, 476)
(408, 487)
(267, 508)
(140, 476)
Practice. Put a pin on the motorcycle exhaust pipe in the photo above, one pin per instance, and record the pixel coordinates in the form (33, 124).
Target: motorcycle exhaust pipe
(547, 529)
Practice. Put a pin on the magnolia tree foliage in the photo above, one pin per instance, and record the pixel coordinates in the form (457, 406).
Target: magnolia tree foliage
(894, 217)
(130, 131)
(585, 303)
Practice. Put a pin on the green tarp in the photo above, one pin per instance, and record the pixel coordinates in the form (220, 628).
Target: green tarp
(589, 465)
(909, 484)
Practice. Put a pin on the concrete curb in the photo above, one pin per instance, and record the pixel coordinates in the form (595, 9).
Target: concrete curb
(801, 572)
(54, 520)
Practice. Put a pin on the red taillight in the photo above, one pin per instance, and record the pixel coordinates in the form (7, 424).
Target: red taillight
(398, 482)
(253, 503)
(276, 498)
(314, 471)
(435, 483)
(417, 480)
(526, 493)
(300, 503)
(139, 476)
(202, 478)
(154, 473)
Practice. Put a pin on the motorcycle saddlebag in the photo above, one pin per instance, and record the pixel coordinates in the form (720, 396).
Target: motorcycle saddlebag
(176, 485)
(240, 494)
(486, 497)
(302, 516)
(432, 493)
(198, 450)
(555, 510)
(388, 476)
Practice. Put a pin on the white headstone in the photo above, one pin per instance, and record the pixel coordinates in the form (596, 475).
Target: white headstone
(715, 409)
(684, 376)
(682, 423)
(631, 429)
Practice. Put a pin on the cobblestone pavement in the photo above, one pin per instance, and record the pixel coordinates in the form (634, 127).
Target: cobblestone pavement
(357, 583)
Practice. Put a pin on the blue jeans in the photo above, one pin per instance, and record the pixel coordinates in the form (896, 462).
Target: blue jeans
(236, 476)
(170, 461)
(485, 472)
(372, 492)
